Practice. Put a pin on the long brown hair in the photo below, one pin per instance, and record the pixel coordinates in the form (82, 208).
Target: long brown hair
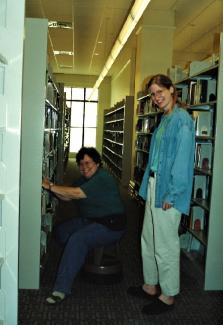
(164, 81)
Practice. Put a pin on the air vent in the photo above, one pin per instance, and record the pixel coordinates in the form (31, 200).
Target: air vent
(60, 24)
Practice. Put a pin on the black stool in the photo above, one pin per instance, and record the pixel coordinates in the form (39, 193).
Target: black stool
(103, 264)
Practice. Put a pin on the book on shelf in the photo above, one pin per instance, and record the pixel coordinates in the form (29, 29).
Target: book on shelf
(202, 87)
(138, 175)
(141, 160)
(141, 107)
(202, 90)
(152, 124)
(197, 218)
(139, 125)
(145, 144)
(200, 187)
(191, 93)
(148, 107)
(182, 93)
(203, 155)
(211, 90)
(203, 122)
(145, 125)
(142, 142)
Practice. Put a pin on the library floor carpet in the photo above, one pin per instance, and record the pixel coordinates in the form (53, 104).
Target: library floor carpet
(108, 304)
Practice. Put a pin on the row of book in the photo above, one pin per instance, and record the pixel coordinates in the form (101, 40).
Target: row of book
(203, 122)
(118, 149)
(141, 160)
(115, 126)
(146, 125)
(114, 115)
(115, 159)
(202, 90)
(138, 174)
(203, 155)
(201, 188)
(52, 95)
(50, 142)
(145, 107)
(143, 142)
(51, 118)
(114, 136)
(196, 221)
(49, 165)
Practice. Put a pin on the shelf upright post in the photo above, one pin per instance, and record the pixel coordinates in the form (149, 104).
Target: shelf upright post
(11, 62)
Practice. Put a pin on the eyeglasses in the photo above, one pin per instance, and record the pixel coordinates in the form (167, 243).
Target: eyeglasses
(86, 164)
(157, 94)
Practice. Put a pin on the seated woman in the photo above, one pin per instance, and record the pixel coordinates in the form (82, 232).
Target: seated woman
(101, 220)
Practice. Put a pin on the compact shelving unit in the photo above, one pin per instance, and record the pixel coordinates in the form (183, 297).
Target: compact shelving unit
(117, 140)
(202, 94)
(11, 62)
(148, 117)
(41, 154)
(53, 153)
(201, 100)
(33, 116)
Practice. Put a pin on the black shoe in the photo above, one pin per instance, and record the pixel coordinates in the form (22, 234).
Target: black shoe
(140, 293)
(54, 300)
(157, 307)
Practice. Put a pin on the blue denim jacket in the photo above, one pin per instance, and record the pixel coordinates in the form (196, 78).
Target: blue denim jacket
(174, 175)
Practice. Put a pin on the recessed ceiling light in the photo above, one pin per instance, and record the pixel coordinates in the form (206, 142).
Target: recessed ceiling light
(63, 53)
(59, 24)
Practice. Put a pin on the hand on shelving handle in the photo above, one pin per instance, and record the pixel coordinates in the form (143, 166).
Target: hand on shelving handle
(46, 183)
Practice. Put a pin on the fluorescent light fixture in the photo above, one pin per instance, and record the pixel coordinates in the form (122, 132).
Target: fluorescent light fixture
(60, 24)
(135, 14)
(63, 66)
(63, 53)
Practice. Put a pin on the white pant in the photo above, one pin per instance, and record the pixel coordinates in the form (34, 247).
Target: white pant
(160, 245)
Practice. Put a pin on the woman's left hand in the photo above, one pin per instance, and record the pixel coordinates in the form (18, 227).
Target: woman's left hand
(46, 183)
(166, 206)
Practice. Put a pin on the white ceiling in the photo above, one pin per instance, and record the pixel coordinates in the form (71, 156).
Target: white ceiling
(96, 24)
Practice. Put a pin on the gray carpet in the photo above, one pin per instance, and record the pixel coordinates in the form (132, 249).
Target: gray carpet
(109, 304)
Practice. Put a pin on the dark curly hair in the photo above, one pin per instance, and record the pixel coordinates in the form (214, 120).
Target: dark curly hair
(91, 152)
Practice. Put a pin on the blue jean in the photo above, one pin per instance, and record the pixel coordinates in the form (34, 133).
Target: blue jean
(79, 237)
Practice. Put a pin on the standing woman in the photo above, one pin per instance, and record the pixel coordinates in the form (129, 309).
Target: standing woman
(166, 187)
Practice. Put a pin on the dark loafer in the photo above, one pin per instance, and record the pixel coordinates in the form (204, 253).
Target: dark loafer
(157, 307)
(140, 293)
